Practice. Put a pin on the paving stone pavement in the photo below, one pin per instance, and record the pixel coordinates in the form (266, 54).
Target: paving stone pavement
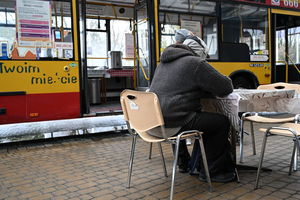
(95, 167)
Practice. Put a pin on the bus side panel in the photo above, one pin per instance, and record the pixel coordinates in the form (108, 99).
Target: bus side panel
(53, 106)
(37, 107)
(13, 108)
(261, 70)
(39, 90)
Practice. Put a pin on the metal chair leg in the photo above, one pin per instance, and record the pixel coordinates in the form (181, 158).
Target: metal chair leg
(253, 138)
(174, 167)
(293, 157)
(237, 175)
(205, 163)
(241, 140)
(296, 155)
(163, 158)
(131, 159)
(150, 150)
(296, 159)
(261, 159)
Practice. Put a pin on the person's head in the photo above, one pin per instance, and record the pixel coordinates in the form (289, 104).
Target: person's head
(197, 45)
(181, 35)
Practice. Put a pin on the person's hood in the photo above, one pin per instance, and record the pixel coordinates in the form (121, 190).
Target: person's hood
(198, 46)
(176, 51)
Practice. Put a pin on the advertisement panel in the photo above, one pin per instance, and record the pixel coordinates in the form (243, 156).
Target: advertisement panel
(33, 23)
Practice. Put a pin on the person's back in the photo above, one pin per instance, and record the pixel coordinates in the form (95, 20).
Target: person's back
(181, 80)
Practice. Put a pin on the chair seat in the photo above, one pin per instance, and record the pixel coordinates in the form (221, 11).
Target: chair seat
(149, 138)
(184, 136)
(295, 127)
(261, 119)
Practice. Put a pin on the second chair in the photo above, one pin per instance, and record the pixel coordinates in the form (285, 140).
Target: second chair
(257, 118)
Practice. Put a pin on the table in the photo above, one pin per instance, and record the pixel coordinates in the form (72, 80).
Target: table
(252, 100)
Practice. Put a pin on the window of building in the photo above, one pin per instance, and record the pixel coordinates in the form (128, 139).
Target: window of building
(42, 31)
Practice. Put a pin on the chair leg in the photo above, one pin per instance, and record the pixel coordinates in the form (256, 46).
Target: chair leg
(163, 158)
(261, 159)
(241, 139)
(205, 163)
(131, 159)
(174, 168)
(237, 175)
(150, 150)
(296, 159)
(296, 155)
(293, 157)
(253, 138)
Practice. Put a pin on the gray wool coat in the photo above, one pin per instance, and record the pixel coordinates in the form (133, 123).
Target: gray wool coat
(181, 80)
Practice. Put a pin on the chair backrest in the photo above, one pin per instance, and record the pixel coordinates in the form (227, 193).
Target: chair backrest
(141, 109)
(280, 85)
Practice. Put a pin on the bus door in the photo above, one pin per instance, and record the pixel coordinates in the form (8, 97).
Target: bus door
(107, 54)
(286, 46)
(146, 42)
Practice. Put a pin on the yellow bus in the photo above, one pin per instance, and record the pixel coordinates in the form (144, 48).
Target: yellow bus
(252, 41)
(39, 60)
(54, 54)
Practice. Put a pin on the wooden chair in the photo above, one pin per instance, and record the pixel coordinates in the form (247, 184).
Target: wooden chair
(291, 130)
(142, 113)
(253, 117)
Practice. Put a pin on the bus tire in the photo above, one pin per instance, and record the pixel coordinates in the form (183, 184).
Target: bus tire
(242, 82)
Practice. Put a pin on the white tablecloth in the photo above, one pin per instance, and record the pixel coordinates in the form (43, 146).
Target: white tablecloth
(246, 100)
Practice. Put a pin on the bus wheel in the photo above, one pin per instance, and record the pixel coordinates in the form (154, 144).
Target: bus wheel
(242, 82)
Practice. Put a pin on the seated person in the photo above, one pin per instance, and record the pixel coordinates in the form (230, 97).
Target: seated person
(180, 81)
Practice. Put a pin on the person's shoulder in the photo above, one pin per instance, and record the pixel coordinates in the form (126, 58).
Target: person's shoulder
(195, 59)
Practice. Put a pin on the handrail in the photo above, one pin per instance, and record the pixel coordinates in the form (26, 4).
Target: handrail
(287, 66)
(293, 63)
(141, 65)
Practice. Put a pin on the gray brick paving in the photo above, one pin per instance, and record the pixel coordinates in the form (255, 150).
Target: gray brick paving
(95, 167)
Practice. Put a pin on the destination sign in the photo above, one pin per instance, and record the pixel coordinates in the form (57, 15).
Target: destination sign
(295, 4)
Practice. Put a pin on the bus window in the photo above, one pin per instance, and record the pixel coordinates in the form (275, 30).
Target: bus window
(96, 42)
(294, 45)
(201, 20)
(118, 33)
(244, 24)
(203, 6)
(168, 35)
(280, 46)
(39, 31)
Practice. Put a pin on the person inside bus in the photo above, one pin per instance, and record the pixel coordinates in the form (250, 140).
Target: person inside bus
(180, 81)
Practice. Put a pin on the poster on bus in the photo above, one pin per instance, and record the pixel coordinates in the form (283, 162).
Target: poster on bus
(295, 4)
(33, 23)
(193, 26)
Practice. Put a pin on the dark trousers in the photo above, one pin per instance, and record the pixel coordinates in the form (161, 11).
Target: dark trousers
(215, 128)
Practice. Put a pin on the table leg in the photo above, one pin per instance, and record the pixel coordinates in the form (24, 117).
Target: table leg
(233, 140)
(103, 90)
